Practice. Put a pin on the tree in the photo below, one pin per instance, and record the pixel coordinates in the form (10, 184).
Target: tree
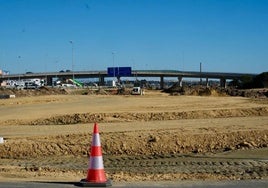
(261, 80)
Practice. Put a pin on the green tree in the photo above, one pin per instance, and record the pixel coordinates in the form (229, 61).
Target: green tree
(261, 80)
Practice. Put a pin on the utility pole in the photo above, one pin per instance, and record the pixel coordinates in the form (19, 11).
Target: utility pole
(200, 73)
(72, 57)
(113, 64)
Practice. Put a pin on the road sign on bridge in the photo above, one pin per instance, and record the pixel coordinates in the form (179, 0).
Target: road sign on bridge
(119, 71)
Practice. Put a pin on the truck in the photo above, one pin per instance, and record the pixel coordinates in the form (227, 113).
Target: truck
(137, 91)
(20, 84)
(33, 83)
(111, 83)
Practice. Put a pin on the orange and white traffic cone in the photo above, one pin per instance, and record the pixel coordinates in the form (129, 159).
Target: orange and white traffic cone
(95, 174)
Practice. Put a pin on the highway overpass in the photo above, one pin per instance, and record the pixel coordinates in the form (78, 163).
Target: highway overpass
(102, 75)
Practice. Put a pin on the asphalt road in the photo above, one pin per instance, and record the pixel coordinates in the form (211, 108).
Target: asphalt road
(187, 184)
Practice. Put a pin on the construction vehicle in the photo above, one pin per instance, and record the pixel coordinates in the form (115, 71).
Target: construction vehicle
(137, 91)
(75, 82)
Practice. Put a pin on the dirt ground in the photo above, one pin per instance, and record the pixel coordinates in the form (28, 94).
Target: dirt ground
(155, 137)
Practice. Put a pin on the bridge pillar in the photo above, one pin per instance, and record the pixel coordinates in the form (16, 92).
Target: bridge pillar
(223, 82)
(101, 80)
(49, 81)
(162, 82)
(118, 79)
(207, 85)
(180, 81)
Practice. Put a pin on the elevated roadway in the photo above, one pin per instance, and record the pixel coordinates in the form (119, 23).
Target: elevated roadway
(101, 75)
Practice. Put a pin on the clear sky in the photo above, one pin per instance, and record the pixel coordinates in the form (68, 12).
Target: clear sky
(225, 35)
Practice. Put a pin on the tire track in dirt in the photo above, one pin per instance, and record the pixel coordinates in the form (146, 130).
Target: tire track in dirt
(228, 168)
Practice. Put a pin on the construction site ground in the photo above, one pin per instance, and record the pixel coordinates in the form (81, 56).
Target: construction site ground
(154, 137)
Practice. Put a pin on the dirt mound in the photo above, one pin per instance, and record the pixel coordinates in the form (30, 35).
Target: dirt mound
(250, 93)
(33, 92)
(216, 91)
(173, 90)
(63, 91)
(148, 116)
(194, 90)
(158, 142)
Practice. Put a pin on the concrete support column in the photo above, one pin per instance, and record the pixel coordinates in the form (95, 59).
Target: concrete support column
(223, 82)
(162, 82)
(180, 81)
(207, 82)
(118, 79)
(101, 80)
(49, 80)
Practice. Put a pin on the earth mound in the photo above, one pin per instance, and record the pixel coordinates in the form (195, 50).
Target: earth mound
(33, 92)
(216, 91)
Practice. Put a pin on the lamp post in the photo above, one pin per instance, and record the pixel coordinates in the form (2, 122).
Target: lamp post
(113, 63)
(19, 57)
(72, 57)
(200, 73)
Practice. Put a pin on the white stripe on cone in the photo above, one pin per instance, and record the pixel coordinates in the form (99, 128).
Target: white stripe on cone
(96, 140)
(96, 163)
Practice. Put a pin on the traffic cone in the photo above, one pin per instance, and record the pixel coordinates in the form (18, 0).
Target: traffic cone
(95, 174)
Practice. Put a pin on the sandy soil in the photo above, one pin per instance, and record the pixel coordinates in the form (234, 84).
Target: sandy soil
(164, 137)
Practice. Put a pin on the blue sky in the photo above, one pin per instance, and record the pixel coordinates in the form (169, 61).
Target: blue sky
(225, 35)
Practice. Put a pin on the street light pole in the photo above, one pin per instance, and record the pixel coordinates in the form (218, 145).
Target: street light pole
(72, 57)
(113, 64)
(200, 73)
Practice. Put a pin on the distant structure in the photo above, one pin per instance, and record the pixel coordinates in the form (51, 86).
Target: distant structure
(120, 72)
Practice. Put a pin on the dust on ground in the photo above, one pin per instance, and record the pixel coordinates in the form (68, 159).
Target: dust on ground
(165, 137)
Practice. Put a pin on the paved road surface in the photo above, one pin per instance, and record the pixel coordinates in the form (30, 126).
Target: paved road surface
(187, 184)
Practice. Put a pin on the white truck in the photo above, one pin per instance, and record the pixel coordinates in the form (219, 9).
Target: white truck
(33, 83)
(137, 91)
(111, 83)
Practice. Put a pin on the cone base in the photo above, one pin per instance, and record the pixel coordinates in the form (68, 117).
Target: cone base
(85, 183)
